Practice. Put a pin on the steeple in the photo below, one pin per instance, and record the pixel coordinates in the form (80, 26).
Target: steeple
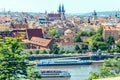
(94, 13)
(59, 9)
(116, 15)
(63, 10)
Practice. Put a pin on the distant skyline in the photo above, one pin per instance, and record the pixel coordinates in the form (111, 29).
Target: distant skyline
(71, 6)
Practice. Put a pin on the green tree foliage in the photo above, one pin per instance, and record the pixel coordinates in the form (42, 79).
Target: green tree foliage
(13, 65)
(55, 49)
(77, 49)
(54, 33)
(31, 52)
(33, 74)
(110, 68)
(117, 48)
(94, 46)
(110, 40)
(91, 33)
(61, 51)
(118, 44)
(93, 76)
(77, 39)
(43, 52)
(37, 52)
(102, 45)
(67, 52)
(82, 33)
(100, 30)
(84, 47)
(97, 37)
(99, 45)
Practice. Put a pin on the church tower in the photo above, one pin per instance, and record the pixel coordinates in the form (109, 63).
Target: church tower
(63, 10)
(63, 13)
(94, 16)
(117, 16)
(59, 9)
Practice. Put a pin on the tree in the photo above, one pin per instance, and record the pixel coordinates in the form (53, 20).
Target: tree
(118, 44)
(61, 51)
(67, 52)
(82, 33)
(117, 48)
(100, 30)
(13, 65)
(110, 68)
(97, 37)
(110, 40)
(54, 33)
(31, 52)
(43, 52)
(91, 33)
(84, 47)
(77, 49)
(55, 49)
(93, 76)
(94, 46)
(102, 45)
(77, 39)
(37, 52)
(33, 74)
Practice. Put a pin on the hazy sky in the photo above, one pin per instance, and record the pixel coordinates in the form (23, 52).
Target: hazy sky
(71, 6)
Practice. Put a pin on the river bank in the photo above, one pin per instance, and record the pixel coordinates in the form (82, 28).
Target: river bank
(72, 56)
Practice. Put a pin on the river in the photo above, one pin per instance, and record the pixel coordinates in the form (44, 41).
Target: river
(81, 72)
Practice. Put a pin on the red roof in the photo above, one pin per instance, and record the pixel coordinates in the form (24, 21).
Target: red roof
(34, 33)
(6, 18)
(40, 41)
(54, 15)
(110, 28)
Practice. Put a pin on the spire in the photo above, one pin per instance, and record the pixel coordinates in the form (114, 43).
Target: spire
(59, 9)
(63, 10)
(94, 13)
(116, 14)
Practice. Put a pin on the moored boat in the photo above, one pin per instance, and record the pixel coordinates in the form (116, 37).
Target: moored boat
(54, 73)
(63, 62)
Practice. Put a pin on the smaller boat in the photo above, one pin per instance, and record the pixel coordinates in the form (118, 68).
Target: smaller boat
(54, 73)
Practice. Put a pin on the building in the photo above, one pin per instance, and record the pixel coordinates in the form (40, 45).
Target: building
(94, 15)
(110, 31)
(34, 33)
(69, 32)
(57, 16)
(39, 43)
(18, 25)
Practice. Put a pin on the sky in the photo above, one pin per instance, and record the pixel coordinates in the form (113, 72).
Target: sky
(71, 6)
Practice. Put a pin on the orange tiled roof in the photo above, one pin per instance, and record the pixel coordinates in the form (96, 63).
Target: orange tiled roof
(7, 18)
(110, 28)
(118, 25)
(40, 41)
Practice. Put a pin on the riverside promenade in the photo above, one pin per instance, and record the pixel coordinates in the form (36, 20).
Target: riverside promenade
(70, 56)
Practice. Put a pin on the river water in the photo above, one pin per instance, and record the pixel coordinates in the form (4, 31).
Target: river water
(80, 72)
